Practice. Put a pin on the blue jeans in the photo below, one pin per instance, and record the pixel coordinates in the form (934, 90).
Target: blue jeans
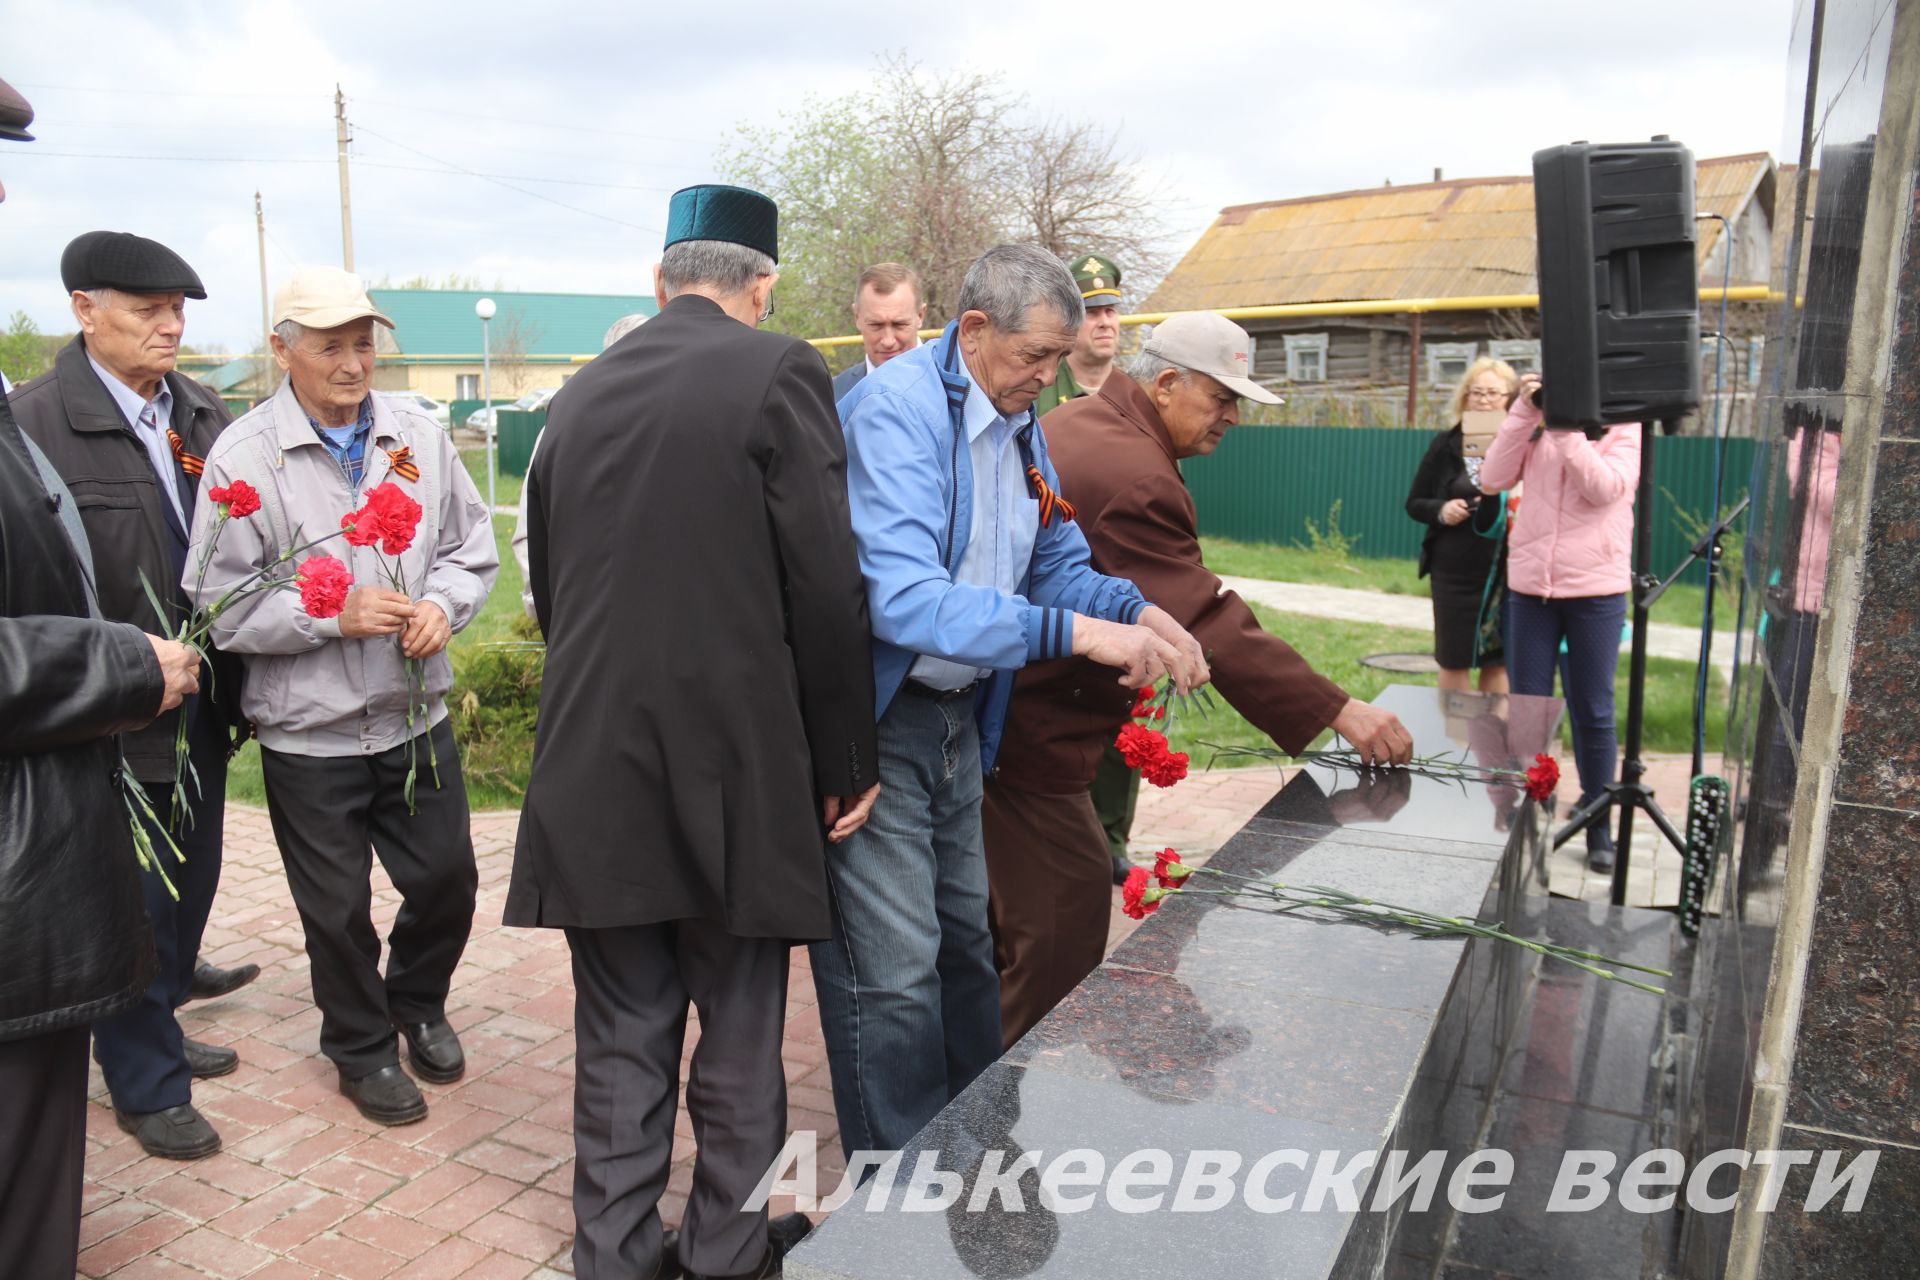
(1591, 627)
(909, 1000)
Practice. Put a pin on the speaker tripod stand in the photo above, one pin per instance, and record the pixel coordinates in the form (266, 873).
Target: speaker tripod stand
(1631, 793)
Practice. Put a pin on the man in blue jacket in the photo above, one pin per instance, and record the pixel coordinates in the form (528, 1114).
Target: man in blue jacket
(974, 567)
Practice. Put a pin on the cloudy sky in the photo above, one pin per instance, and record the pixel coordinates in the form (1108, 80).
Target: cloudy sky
(585, 116)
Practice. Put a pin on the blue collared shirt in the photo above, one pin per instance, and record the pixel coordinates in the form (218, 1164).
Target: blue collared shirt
(348, 444)
(149, 420)
(1003, 523)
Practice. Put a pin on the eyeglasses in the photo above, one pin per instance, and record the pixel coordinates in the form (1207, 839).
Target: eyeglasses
(1486, 393)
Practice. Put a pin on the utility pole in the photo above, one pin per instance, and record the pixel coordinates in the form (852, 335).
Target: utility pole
(346, 203)
(266, 316)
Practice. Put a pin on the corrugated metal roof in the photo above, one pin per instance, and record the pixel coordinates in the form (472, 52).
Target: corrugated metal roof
(1453, 239)
(439, 322)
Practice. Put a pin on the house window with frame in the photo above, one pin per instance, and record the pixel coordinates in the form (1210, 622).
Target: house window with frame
(1522, 353)
(1447, 362)
(1306, 357)
(466, 386)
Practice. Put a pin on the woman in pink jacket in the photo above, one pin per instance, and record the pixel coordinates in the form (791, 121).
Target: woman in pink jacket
(1569, 562)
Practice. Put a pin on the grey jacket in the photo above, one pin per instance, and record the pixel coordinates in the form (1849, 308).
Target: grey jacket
(309, 690)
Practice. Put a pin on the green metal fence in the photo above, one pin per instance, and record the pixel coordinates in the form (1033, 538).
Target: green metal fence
(1264, 483)
(459, 410)
(514, 434)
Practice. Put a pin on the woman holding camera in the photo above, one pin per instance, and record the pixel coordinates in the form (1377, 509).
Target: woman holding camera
(1568, 570)
(1462, 561)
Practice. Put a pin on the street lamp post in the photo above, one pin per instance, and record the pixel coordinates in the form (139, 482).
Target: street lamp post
(484, 309)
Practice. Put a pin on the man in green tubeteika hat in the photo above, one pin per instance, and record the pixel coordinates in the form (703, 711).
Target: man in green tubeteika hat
(1091, 360)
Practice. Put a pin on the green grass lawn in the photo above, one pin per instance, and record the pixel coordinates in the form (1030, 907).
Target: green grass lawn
(1680, 605)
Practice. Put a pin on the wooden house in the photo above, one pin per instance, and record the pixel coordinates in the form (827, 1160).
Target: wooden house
(1460, 238)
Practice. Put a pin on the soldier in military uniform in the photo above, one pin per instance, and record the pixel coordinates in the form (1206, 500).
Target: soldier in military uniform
(1091, 360)
(1116, 788)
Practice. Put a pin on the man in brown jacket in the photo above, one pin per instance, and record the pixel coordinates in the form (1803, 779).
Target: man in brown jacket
(1117, 454)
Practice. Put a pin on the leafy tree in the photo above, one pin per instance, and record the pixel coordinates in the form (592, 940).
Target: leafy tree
(25, 352)
(931, 171)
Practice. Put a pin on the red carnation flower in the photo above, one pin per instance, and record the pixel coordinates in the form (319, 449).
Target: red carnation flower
(1168, 870)
(1542, 778)
(324, 583)
(389, 518)
(239, 499)
(1167, 770)
(1139, 745)
(1142, 703)
(1139, 898)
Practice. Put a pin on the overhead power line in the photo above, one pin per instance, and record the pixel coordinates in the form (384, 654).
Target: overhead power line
(534, 124)
(450, 166)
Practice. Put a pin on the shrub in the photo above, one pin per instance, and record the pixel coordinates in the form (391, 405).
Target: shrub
(494, 706)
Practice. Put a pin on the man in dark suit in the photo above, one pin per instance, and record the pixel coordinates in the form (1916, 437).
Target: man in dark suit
(888, 310)
(129, 433)
(688, 773)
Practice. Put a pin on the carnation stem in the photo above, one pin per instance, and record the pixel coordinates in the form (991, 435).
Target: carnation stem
(1426, 924)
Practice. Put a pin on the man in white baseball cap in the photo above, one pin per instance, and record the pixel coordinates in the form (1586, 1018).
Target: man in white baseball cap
(356, 750)
(1118, 455)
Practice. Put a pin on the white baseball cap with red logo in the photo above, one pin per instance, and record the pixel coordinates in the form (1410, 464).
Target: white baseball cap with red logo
(1207, 342)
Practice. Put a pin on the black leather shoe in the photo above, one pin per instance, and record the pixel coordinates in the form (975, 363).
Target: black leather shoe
(206, 1061)
(669, 1268)
(1121, 869)
(209, 982)
(434, 1051)
(178, 1133)
(783, 1234)
(1599, 859)
(387, 1096)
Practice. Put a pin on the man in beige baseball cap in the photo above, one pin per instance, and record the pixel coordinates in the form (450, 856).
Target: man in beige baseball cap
(356, 751)
(1118, 453)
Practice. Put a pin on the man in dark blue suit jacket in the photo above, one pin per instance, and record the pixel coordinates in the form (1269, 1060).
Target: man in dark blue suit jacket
(888, 309)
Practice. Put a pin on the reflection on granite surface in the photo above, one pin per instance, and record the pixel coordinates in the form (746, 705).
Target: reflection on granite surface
(1855, 1063)
(1010, 1110)
(1473, 729)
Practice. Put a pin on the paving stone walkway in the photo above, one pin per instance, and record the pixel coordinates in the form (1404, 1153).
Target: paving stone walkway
(306, 1187)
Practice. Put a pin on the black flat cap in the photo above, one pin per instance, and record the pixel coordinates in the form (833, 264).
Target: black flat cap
(119, 260)
(15, 114)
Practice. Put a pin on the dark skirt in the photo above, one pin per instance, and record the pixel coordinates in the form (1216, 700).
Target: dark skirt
(1466, 594)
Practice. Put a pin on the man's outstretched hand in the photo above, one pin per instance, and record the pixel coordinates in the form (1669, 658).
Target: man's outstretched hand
(1377, 736)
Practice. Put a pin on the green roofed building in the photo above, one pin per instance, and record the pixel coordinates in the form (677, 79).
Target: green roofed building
(538, 339)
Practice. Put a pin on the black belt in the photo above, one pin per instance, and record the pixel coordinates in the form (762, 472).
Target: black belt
(927, 691)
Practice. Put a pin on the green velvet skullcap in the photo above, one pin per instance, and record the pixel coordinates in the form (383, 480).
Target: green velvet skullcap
(716, 212)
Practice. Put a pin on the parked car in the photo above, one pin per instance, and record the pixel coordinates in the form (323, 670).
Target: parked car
(438, 410)
(482, 418)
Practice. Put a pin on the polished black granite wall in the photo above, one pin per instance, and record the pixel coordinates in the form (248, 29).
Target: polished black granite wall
(1221, 1026)
(1808, 977)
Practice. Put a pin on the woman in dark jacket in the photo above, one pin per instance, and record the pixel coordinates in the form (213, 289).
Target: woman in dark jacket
(1463, 562)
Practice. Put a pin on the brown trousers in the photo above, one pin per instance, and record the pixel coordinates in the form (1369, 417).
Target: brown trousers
(1050, 895)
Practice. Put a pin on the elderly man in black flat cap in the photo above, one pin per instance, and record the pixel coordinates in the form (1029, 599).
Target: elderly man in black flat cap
(128, 434)
(75, 945)
(683, 793)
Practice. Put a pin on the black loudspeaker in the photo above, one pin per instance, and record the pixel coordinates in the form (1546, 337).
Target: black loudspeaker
(1619, 287)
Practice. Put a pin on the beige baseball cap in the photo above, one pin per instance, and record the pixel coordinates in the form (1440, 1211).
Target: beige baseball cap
(1207, 342)
(324, 298)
